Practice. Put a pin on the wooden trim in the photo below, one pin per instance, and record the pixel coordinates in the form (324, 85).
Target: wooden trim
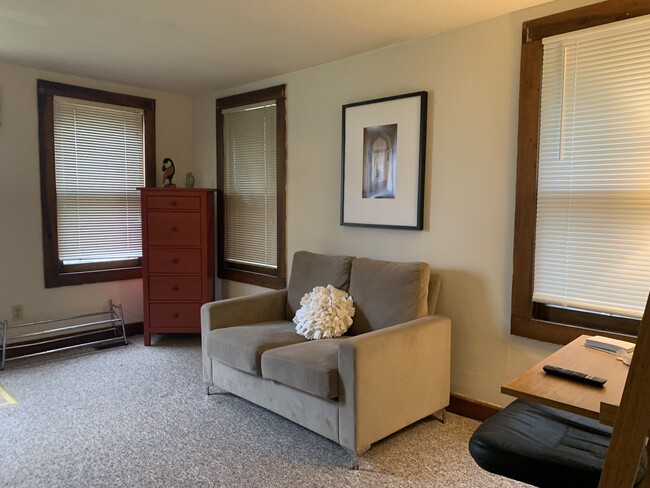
(529, 319)
(220, 221)
(249, 268)
(472, 409)
(86, 267)
(252, 278)
(281, 187)
(583, 18)
(134, 328)
(85, 277)
(253, 275)
(55, 274)
(526, 185)
(150, 145)
(557, 333)
(93, 95)
(586, 320)
(277, 92)
(48, 188)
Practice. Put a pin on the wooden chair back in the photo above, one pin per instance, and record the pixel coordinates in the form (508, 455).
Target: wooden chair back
(633, 418)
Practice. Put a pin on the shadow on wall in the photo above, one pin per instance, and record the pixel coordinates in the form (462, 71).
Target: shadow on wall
(231, 289)
(478, 336)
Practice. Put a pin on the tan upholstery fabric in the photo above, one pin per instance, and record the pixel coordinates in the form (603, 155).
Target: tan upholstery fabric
(265, 307)
(386, 293)
(311, 367)
(392, 377)
(309, 270)
(318, 414)
(242, 347)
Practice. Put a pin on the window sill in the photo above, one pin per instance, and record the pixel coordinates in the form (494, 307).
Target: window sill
(251, 278)
(557, 333)
(85, 277)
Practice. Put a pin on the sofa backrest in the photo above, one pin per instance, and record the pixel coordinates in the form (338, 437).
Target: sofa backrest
(434, 290)
(387, 293)
(310, 270)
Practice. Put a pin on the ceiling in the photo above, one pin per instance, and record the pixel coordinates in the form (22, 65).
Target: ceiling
(195, 46)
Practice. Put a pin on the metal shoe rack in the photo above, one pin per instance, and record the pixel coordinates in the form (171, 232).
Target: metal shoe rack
(111, 320)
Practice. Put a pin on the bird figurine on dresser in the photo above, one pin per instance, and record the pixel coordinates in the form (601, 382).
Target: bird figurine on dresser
(168, 170)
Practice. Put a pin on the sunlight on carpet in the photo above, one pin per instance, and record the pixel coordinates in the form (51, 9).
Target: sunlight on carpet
(5, 398)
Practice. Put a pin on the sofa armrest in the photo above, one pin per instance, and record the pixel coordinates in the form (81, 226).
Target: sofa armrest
(392, 377)
(251, 309)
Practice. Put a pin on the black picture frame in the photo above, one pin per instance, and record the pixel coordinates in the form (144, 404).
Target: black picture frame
(383, 154)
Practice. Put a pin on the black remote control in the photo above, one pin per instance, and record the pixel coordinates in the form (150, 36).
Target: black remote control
(574, 375)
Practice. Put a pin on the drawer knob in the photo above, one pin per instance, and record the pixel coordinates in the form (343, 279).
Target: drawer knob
(173, 229)
(175, 315)
(175, 288)
(174, 260)
(173, 203)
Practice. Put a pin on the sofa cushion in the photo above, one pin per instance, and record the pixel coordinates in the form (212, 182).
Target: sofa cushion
(242, 347)
(387, 293)
(310, 270)
(311, 367)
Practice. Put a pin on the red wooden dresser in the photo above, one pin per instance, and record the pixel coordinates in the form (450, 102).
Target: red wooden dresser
(177, 258)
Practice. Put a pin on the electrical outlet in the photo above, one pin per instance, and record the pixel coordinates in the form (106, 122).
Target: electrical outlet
(16, 312)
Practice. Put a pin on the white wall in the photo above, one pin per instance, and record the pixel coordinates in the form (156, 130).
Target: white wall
(21, 256)
(472, 77)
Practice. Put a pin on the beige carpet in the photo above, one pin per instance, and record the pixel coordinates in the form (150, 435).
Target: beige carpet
(138, 417)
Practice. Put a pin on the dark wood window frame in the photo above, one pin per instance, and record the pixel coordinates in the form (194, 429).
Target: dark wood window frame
(55, 272)
(255, 275)
(529, 319)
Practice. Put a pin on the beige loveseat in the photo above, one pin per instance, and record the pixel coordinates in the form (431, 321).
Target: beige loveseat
(389, 370)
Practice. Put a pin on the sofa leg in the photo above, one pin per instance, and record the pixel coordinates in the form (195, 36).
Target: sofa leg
(440, 415)
(356, 458)
(217, 391)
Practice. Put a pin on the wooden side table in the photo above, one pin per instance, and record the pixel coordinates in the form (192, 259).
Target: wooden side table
(537, 386)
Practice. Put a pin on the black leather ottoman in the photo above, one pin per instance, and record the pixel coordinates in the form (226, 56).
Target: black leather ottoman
(544, 446)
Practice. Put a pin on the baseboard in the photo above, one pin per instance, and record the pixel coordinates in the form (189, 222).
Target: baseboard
(67, 340)
(134, 329)
(472, 409)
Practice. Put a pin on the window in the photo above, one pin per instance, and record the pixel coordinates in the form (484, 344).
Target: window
(251, 175)
(582, 221)
(97, 149)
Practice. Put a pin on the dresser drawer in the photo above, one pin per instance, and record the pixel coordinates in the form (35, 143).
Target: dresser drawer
(175, 288)
(174, 228)
(175, 315)
(171, 202)
(162, 260)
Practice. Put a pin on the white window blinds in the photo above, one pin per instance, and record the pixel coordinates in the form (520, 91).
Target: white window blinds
(99, 158)
(250, 186)
(592, 247)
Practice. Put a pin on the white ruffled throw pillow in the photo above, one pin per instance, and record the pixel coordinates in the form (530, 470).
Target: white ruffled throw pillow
(324, 313)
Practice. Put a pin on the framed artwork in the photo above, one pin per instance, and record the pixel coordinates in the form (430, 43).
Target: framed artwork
(383, 159)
